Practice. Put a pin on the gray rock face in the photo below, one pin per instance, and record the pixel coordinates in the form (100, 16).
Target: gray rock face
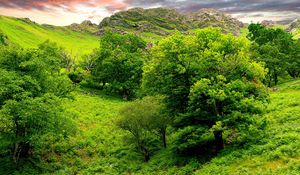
(211, 17)
(295, 25)
(268, 23)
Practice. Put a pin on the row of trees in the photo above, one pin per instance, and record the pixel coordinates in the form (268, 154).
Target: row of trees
(31, 91)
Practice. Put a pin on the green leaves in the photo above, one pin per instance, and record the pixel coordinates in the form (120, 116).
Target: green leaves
(119, 63)
(31, 88)
(145, 119)
(207, 78)
(277, 49)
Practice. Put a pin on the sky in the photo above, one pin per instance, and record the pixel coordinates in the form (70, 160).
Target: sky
(65, 12)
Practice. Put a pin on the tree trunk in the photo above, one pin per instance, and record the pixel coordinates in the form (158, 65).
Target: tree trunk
(146, 154)
(275, 78)
(21, 150)
(163, 136)
(219, 140)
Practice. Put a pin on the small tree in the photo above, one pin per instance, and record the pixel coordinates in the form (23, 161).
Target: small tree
(144, 119)
(3, 39)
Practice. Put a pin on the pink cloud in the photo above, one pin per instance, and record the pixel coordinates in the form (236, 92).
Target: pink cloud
(69, 5)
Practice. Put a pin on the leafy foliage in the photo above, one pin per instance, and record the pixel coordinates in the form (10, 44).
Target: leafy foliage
(31, 87)
(143, 119)
(207, 77)
(119, 63)
(277, 49)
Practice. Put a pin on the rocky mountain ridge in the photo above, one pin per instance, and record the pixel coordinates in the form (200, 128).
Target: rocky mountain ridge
(164, 21)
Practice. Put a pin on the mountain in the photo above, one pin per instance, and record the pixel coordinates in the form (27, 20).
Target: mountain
(211, 17)
(28, 34)
(86, 26)
(164, 21)
(160, 21)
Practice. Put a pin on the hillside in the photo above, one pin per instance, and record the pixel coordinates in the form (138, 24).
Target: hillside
(98, 146)
(94, 143)
(164, 21)
(29, 34)
(86, 26)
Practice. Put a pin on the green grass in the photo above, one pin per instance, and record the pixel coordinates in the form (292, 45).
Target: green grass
(296, 34)
(98, 145)
(28, 35)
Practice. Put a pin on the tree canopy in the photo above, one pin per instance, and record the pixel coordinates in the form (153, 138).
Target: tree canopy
(119, 62)
(207, 78)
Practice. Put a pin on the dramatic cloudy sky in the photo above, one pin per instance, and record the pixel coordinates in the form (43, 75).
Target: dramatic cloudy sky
(64, 12)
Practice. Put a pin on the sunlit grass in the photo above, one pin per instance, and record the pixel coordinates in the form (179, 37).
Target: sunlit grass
(28, 35)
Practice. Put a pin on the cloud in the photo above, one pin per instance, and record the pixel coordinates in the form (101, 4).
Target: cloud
(68, 5)
(245, 10)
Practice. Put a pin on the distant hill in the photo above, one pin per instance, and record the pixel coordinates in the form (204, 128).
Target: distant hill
(28, 34)
(86, 26)
(164, 21)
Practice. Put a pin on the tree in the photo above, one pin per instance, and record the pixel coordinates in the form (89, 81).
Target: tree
(272, 46)
(119, 63)
(145, 119)
(178, 64)
(30, 91)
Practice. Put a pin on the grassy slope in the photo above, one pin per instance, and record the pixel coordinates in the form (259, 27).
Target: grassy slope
(296, 34)
(98, 146)
(28, 34)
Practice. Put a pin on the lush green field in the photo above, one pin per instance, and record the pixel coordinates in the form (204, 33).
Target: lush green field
(28, 34)
(98, 146)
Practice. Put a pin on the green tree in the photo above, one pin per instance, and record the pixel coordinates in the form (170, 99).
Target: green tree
(179, 62)
(119, 63)
(272, 46)
(145, 119)
(30, 91)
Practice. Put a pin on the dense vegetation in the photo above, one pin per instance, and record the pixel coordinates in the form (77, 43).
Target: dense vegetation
(196, 103)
